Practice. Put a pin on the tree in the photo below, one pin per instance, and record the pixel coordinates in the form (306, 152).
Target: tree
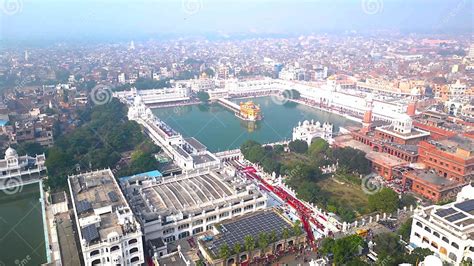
(327, 246)
(405, 229)
(317, 147)
(249, 243)
(346, 248)
(407, 200)
(203, 96)
(273, 236)
(224, 251)
(296, 230)
(263, 241)
(298, 146)
(237, 248)
(387, 244)
(416, 256)
(285, 233)
(30, 148)
(386, 200)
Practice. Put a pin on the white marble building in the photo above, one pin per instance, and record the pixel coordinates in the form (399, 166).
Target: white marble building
(447, 230)
(308, 130)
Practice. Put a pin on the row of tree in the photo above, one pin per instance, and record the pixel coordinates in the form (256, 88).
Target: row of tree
(262, 241)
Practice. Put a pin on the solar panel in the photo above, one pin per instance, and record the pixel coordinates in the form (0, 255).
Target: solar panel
(90, 233)
(445, 212)
(83, 206)
(466, 206)
(113, 196)
(456, 217)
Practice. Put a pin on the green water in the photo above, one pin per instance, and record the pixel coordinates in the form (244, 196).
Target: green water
(21, 227)
(219, 129)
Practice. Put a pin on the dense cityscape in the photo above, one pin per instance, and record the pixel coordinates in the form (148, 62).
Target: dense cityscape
(315, 148)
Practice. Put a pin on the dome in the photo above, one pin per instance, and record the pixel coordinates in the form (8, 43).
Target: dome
(432, 260)
(306, 123)
(10, 152)
(466, 193)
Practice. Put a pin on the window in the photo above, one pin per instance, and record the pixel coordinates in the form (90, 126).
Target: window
(456, 246)
(197, 222)
(134, 259)
(427, 229)
(248, 207)
(236, 211)
(445, 239)
(224, 214)
(168, 231)
(132, 241)
(183, 226)
(95, 252)
(114, 248)
(436, 234)
(417, 235)
(212, 218)
(133, 250)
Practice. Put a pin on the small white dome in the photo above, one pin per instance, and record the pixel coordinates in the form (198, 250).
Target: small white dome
(306, 123)
(466, 193)
(10, 152)
(432, 260)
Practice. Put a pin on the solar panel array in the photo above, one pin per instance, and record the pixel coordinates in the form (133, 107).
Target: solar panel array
(90, 233)
(113, 196)
(235, 232)
(467, 206)
(456, 217)
(445, 212)
(83, 206)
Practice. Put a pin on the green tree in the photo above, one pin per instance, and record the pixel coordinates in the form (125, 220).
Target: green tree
(262, 241)
(318, 146)
(386, 200)
(405, 229)
(298, 146)
(346, 248)
(407, 200)
(237, 248)
(296, 230)
(327, 245)
(285, 233)
(387, 244)
(224, 251)
(249, 243)
(30, 148)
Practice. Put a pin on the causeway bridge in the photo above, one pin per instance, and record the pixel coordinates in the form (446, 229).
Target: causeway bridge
(228, 104)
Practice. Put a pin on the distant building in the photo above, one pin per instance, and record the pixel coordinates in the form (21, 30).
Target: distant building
(308, 130)
(447, 230)
(121, 78)
(108, 232)
(448, 165)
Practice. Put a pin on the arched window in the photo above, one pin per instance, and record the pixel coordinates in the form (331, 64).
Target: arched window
(445, 239)
(132, 241)
(114, 248)
(95, 252)
(433, 244)
(427, 229)
(419, 224)
(231, 261)
(96, 262)
(455, 245)
(425, 240)
(436, 234)
(452, 256)
(135, 259)
(133, 250)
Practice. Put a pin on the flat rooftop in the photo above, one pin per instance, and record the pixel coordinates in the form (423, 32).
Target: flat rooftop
(196, 144)
(97, 195)
(451, 144)
(433, 178)
(235, 230)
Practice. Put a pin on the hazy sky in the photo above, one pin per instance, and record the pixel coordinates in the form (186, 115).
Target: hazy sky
(88, 19)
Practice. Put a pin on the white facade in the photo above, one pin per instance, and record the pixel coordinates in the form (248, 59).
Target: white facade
(447, 230)
(108, 232)
(156, 96)
(185, 205)
(19, 170)
(308, 130)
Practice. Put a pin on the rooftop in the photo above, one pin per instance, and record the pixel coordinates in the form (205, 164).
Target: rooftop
(99, 205)
(452, 144)
(433, 178)
(235, 230)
